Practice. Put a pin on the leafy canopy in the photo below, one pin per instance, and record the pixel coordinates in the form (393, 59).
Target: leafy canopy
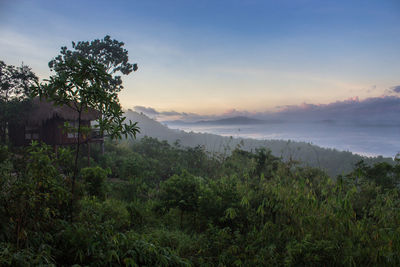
(85, 79)
(15, 83)
(109, 53)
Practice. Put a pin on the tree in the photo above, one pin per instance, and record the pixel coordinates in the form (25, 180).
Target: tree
(109, 53)
(15, 83)
(33, 195)
(95, 178)
(182, 192)
(85, 78)
(83, 69)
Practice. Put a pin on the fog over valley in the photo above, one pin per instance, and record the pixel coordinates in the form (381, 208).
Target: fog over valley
(369, 127)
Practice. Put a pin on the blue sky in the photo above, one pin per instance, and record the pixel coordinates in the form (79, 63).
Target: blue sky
(214, 56)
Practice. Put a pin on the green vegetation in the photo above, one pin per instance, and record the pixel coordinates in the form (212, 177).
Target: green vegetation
(154, 204)
(14, 90)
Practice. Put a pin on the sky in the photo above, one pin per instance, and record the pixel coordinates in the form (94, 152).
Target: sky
(217, 56)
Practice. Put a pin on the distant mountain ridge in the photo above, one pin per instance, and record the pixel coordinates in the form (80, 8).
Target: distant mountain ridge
(238, 120)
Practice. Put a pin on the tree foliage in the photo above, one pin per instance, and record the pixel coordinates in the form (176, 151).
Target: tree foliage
(15, 84)
(85, 79)
(249, 210)
(83, 84)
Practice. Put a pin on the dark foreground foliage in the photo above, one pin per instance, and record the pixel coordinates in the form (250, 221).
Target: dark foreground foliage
(153, 204)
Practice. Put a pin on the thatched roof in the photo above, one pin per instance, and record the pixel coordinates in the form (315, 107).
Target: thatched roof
(43, 110)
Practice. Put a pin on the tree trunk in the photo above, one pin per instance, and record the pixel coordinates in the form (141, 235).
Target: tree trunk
(88, 155)
(75, 174)
(181, 219)
(3, 132)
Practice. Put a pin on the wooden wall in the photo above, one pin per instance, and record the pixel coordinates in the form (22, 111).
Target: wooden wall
(52, 132)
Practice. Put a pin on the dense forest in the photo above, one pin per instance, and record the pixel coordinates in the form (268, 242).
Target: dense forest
(156, 203)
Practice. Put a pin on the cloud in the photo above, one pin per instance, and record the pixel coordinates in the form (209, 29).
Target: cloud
(371, 89)
(172, 113)
(146, 110)
(371, 110)
(376, 110)
(396, 89)
(149, 111)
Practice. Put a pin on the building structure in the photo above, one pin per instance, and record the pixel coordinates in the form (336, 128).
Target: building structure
(54, 125)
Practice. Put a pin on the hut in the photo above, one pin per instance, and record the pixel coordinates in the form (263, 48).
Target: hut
(46, 122)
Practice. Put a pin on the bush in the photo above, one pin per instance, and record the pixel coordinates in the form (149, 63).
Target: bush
(111, 212)
(95, 181)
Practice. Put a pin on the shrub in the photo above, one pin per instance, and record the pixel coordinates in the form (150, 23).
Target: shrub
(95, 181)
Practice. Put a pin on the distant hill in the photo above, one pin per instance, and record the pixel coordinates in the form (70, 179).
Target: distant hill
(333, 161)
(232, 121)
(239, 120)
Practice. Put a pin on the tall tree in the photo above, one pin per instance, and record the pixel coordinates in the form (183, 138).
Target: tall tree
(15, 83)
(114, 59)
(182, 192)
(86, 78)
(106, 51)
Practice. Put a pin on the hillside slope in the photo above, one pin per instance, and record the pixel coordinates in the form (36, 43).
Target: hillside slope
(333, 161)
